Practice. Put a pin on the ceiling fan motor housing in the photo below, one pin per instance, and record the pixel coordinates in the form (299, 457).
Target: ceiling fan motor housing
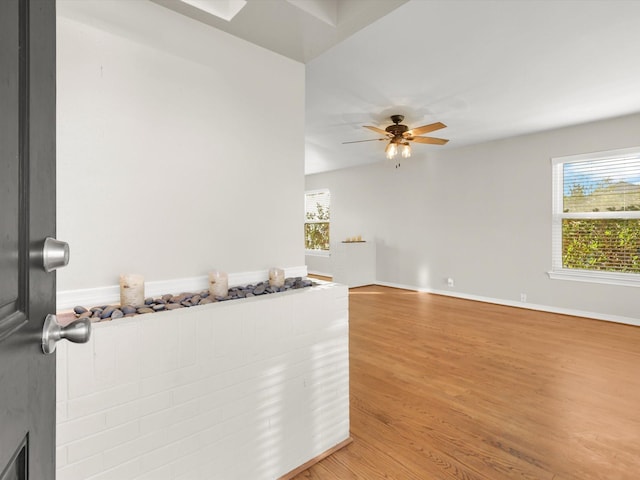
(397, 130)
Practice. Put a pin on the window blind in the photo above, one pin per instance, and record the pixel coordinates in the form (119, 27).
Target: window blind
(317, 206)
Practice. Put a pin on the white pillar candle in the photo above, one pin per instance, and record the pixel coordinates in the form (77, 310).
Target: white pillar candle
(131, 290)
(218, 283)
(276, 277)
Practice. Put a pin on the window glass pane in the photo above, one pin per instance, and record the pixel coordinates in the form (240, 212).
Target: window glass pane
(316, 236)
(610, 185)
(611, 245)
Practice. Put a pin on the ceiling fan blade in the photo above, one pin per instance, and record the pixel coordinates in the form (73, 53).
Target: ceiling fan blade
(370, 140)
(378, 130)
(424, 129)
(430, 140)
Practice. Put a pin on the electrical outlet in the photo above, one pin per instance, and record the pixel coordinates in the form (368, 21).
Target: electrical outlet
(450, 282)
(523, 297)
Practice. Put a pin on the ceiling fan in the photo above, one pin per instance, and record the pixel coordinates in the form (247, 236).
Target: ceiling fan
(400, 135)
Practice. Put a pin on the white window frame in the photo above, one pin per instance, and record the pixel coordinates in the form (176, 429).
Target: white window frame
(594, 276)
(318, 253)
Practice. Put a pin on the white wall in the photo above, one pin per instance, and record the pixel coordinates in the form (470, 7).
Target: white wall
(249, 389)
(171, 158)
(481, 215)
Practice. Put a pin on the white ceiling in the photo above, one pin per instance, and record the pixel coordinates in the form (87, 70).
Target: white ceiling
(488, 69)
(298, 29)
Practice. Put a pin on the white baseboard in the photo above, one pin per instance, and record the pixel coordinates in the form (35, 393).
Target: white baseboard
(322, 274)
(110, 294)
(529, 306)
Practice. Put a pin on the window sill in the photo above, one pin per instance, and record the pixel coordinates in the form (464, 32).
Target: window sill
(318, 253)
(608, 278)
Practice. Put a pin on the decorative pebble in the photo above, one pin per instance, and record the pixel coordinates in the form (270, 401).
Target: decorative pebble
(168, 301)
(106, 313)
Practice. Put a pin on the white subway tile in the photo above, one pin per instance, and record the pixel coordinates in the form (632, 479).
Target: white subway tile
(169, 380)
(135, 410)
(186, 467)
(102, 441)
(159, 350)
(162, 419)
(81, 470)
(226, 338)
(104, 356)
(73, 430)
(61, 457)
(168, 453)
(125, 471)
(132, 449)
(163, 473)
(191, 391)
(102, 400)
(128, 351)
(187, 338)
(80, 373)
(204, 336)
(124, 413)
(61, 412)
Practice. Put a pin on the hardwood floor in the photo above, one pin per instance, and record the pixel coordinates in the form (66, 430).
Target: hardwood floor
(443, 388)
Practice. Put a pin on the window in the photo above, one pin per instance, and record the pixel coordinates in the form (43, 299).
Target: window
(596, 217)
(317, 213)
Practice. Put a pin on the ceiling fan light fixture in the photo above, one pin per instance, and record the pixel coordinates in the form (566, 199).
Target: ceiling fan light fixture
(406, 150)
(391, 150)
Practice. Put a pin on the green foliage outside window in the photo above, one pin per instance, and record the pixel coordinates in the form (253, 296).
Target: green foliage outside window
(316, 229)
(610, 245)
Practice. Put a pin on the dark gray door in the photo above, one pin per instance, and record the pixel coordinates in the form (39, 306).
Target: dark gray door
(27, 216)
